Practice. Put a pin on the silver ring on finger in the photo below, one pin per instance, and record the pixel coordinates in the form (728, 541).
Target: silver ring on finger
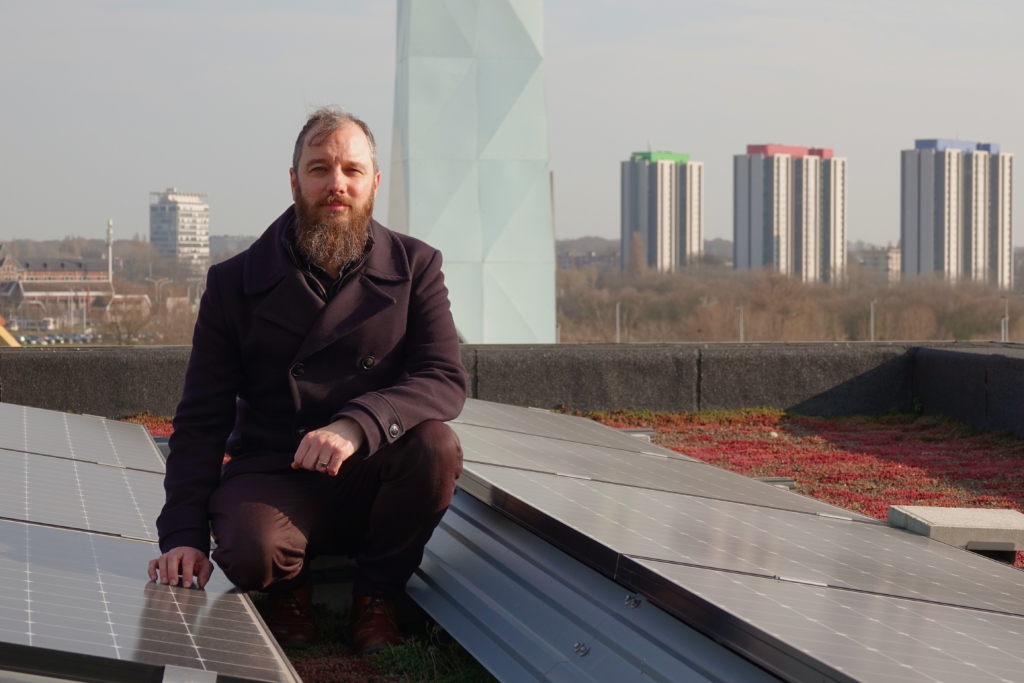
(321, 465)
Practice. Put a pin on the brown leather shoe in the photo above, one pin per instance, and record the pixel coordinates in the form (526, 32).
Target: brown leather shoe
(290, 617)
(373, 625)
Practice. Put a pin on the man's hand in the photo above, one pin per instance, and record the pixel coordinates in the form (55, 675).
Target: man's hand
(323, 450)
(189, 561)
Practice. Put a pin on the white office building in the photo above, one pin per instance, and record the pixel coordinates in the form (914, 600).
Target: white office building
(179, 227)
(663, 201)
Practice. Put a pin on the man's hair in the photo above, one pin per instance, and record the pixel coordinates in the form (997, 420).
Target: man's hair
(327, 120)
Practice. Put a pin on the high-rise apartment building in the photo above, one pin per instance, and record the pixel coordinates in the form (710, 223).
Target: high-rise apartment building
(179, 227)
(789, 212)
(663, 202)
(956, 211)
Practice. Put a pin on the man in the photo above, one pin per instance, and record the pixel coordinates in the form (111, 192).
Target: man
(324, 362)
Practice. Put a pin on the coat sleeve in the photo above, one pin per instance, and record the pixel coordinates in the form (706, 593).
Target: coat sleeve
(434, 384)
(202, 424)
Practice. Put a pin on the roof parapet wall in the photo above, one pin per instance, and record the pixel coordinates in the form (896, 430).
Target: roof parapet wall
(859, 378)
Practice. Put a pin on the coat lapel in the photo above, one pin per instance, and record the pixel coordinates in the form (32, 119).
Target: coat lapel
(291, 304)
(355, 304)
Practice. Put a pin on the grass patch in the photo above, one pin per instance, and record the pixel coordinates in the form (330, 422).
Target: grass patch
(432, 656)
(429, 655)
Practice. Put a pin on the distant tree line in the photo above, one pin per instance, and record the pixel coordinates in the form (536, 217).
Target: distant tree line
(702, 304)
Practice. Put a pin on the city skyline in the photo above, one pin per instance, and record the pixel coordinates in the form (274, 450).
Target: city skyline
(246, 69)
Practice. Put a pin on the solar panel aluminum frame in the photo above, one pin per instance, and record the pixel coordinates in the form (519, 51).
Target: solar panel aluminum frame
(74, 666)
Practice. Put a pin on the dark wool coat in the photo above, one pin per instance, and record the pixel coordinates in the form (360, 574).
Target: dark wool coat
(270, 361)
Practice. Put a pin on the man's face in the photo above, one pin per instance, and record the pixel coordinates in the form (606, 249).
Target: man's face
(334, 190)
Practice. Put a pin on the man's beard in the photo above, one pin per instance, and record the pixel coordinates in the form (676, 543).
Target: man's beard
(336, 241)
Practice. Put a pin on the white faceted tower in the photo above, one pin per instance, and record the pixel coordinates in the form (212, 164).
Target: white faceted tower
(469, 168)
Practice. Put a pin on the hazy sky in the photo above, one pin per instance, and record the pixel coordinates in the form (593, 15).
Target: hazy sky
(104, 102)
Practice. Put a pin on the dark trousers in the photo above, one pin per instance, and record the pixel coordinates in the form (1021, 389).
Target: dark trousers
(381, 510)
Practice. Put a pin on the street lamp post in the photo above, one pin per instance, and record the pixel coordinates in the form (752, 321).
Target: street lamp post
(197, 282)
(157, 284)
(740, 309)
(618, 336)
(873, 319)
(160, 286)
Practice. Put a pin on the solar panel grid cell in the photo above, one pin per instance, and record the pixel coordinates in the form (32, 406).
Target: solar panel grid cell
(741, 538)
(523, 451)
(134, 445)
(87, 594)
(13, 434)
(78, 437)
(79, 495)
(555, 426)
(863, 636)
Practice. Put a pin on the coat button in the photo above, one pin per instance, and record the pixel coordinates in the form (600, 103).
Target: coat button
(300, 432)
(368, 362)
(297, 370)
(394, 431)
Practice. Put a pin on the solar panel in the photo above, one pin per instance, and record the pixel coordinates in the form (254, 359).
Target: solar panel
(808, 632)
(554, 426)
(78, 437)
(133, 441)
(521, 606)
(79, 495)
(599, 521)
(88, 594)
(524, 451)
